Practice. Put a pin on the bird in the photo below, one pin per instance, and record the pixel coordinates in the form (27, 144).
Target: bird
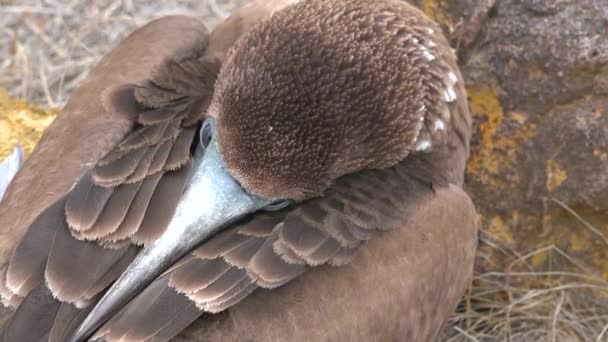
(294, 174)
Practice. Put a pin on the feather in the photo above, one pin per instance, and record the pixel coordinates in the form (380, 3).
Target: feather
(113, 272)
(241, 255)
(286, 253)
(137, 209)
(180, 152)
(114, 212)
(68, 257)
(236, 293)
(141, 171)
(26, 267)
(38, 306)
(162, 205)
(324, 253)
(85, 203)
(220, 286)
(67, 320)
(154, 96)
(160, 159)
(144, 136)
(197, 274)
(269, 270)
(262, 224)
(301, 237)
(112, 156)
(343, 256)
(152, 310)
(8, 297)
(121, 99)
(219, 244)
(176, 323)
(156, 116)
(117, 171)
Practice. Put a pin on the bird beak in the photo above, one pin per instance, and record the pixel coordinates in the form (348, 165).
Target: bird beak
(212, 200)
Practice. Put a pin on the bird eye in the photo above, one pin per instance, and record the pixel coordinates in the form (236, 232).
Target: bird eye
(206, 133)
(277, 205)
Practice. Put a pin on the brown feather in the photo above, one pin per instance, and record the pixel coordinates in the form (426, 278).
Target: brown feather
(141, 171)
(241, 255)
(340, 231)
(114, 211)
(324, 253)
(261, 224)
(26, 267)
(180, 152)
(70, 257)
(153, 309)
(154, 96)
(302, 237)
(218, 306)
(111, 157)
(197, 274)
(145, 136)
(220, 286)
(343, 256)
(38, 306)
(85, 203)
(269, 270)
(121, 99)
(7, 297)
(137, 209)
(116, 172)
(112, 273)
(236, 293)
(176, 323)
(160, 159)
(219, 244)
(162, 205)
(67, 320)
(156, 116)
(286, 253)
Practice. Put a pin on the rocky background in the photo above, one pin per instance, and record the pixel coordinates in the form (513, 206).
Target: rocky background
(537, 78)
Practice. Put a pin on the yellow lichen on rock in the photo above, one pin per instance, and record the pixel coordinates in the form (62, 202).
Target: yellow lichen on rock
(433, 10)
(500, 230)
(495, 151)
(21, 122)
(556, 175)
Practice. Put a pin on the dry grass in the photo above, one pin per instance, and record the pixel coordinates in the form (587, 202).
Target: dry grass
(47, 47)
(524, 303)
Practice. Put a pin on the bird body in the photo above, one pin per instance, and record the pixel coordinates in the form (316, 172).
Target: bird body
(294, 174)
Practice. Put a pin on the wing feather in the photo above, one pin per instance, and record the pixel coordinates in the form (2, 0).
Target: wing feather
(38, 306)
(85, 203)
(67, 320)
(25, 269)
(270, 249)
(114, 212)
(158, 213)
(86, 259)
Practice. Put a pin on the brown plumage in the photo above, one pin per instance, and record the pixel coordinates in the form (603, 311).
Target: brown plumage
(355, 109)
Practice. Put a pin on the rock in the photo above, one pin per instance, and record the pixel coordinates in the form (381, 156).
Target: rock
(537, 84)
(537, 77)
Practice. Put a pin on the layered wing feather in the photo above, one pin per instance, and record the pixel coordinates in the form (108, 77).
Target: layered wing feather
(270, 249)
(83, 242)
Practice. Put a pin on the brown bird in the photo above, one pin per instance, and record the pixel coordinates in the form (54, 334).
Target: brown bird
(193, 171)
